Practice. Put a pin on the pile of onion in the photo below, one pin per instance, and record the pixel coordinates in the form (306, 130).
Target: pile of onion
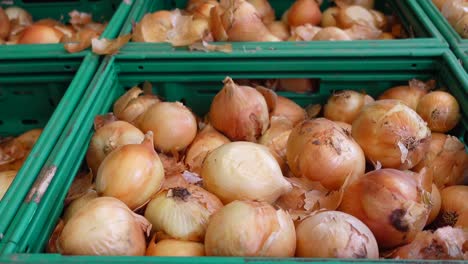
(393, 204)
(322, 151)
(133, 104)
(391, 133)
(276, 139)
(345, 106)
(250, 229)
(409, 94)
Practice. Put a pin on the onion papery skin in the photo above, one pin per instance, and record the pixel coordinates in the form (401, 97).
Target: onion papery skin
(391, 133)
(6, 178)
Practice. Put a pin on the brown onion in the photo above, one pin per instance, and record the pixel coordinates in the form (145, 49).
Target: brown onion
(153, 27)
(435, 204)
(357, 15)
(445, 243)
(369, 4)
(239, 112)
(276, 139)
(296, 85)
(132, 105)
(345, 105)
(264, 9)
(182, 212)
(453, 203)
(248, 228)
(104, 226)
(392, 203)
(331, 34)
(329, 17)
(289, 109)
(333, 234)
(77, 204)
(132, 173)
(409, 94)
(6, 178)
(391, 133)
(447, 159)
(304, 12)
(174, 248)
(5, 25)
(108, 138)
(174, 126)
(279, 29)
(305, 32)
(440, 110)
(40, 34)
(321, 150)
(243, 170)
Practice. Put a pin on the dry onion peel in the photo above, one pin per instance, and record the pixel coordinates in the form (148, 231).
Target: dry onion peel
(108, 47)
(207, 47)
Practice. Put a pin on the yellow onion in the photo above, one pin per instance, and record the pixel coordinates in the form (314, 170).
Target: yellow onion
(445, 243)
(462, 25)
(279, 29)
(174, 126)
(53, 239)
(207, 140)
(369, 4)
(321, 150)
(40, 34)
(132, 105)
(108, 138)
(391, 133)
(153, 27)
(454, 10)
(440, 110)
(132, 173)
(264, 9)
(77, 204)
(5, 25)
(19, 15)
(305, 32)
(304, 12)
(392, 203)
(276, 139)
(289, 109)
(329, 17)
(446, 158)
(172, 165)
(296, 85)
(242, 22)
(243, 170)
(201, 9)
(347, 128)
(182, 212)
(250, 229)
(345, 105)
(6, 178)
(453, 203)
(333, 234)
(174, 248)
(104, 226)
(409, 94)
(436, 203)
(439, 3)
(357, 15)
(331, 34)
(239, 112)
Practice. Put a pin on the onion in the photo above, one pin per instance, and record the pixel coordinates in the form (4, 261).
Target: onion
(409, 94)
(391, 133)
(264, 9)
(331, 34)
(296, 85)
(435, 204)
(175, 248)
(453, 203)
(392, 203)
(357, 15)
(77, 204)
(104, 226)
(345, 126)
(21, 16)
(53, 239)
(206, 141)
(240, 112)
(243, 170)
(332, 234)
(454, 10)
(386, 36)
(304, 12)
(276, 139)
(289, 109)
(329, 17)
(346, 105)
(445, 243)
(132, 173)
(172, 165)
(462, 220)
(447, 159)
(5, 25)
(462, 26)
(279, 30)
(439, 3)
(369, 4)
(440, 110)
(242, 22)
(313, 110)
(248, 228)
(132, 105)
(182, 212)
(201, 8)
(108, 138)
(174, 124)
(6, 178)
(153, 27)
(305, 32)
(321, 150)
(40, 34)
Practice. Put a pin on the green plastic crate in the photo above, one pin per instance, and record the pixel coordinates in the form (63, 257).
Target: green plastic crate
(40, 58)
(452, 37)
(196, 91)
(462, 54)
(411, 14)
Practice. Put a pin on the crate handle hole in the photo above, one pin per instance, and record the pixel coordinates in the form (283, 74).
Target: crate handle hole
(414, 65)
(67, 67)
(1, 122)
(29, 122)
(51, 102)
(141, 67)
(23, 92)
(183, 101)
